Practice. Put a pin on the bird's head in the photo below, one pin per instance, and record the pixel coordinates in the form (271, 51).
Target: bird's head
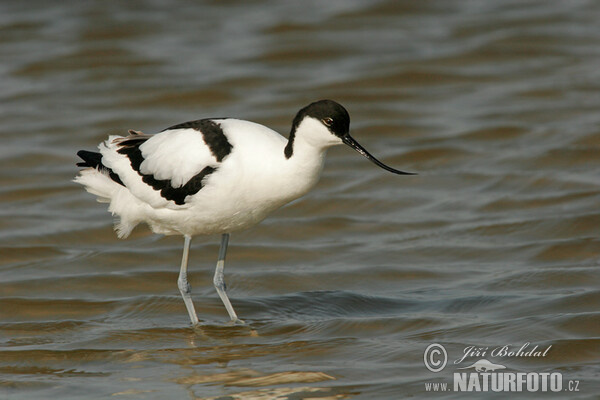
(326, 123)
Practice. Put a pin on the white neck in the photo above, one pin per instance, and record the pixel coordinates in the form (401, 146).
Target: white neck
(288, 178)
(303, 168)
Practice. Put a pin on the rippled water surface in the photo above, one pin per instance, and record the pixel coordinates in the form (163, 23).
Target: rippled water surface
(496, 104)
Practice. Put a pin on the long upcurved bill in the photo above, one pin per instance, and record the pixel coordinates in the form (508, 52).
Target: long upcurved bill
(347, 139)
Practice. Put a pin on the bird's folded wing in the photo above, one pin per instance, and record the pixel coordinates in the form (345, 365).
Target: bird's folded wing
(164, 169)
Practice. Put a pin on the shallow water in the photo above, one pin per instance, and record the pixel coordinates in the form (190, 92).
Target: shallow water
(495, 242)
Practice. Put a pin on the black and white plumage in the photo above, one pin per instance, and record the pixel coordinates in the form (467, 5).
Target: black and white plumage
(213, 176)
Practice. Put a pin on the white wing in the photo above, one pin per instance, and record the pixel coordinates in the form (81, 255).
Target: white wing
(164, 169)
(176, 155)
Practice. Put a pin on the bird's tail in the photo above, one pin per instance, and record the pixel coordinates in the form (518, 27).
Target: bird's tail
(90, 159)
(94, 160)
(102, 182)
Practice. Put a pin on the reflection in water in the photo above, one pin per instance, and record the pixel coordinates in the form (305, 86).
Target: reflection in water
(284, 393)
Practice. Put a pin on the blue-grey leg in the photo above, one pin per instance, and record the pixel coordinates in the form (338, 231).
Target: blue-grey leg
(219, 279)
(182, 282)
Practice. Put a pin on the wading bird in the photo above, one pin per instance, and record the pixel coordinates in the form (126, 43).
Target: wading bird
(213, 176)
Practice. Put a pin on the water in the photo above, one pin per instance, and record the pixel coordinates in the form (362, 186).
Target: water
(495, 242)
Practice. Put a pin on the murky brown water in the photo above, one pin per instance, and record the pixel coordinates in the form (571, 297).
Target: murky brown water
(495, 103)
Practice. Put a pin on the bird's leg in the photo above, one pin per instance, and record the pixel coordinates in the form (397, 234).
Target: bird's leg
(219, 279)
(182, 282)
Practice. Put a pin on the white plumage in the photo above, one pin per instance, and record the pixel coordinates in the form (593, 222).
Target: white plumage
(212, 176)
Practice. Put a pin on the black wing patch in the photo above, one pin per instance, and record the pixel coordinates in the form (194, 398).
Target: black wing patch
(213, 136)
(131, 148)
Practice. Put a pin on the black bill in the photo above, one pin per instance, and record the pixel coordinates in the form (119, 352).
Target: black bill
(347, 139)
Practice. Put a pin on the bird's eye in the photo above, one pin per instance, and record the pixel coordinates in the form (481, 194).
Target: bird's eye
(327, 121)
